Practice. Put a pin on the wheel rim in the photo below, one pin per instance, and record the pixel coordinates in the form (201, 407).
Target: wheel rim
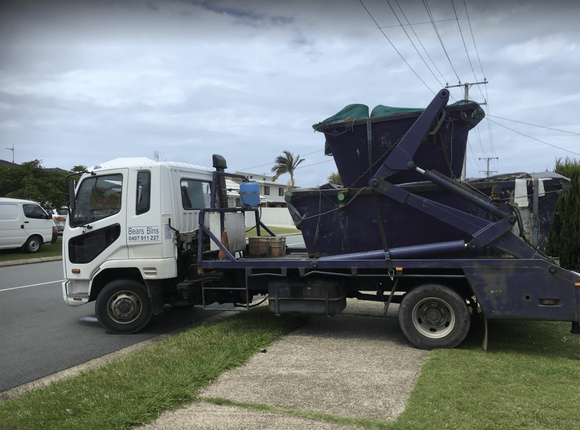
(34, 245)
(433, 318)
(124, 307)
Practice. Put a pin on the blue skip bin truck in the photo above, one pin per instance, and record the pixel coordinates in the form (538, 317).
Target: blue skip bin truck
(143, 234)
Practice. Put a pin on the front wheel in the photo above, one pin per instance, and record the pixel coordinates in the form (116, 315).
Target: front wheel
(33, 244)
(123, 306)
(434, 316)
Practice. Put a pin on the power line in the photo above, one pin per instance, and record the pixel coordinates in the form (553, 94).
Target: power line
(479, 140)
(463, 40)
(538, 140)
(534, 125)
(486, 97)
(416, 23)
(270, 164)
(439, 37)
(396, 50)
(410, 40)
(473, 38)
(314, 164)
(474, 158)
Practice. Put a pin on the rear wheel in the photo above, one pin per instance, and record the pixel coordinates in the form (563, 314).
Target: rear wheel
(123, 306)
(434, 316)
(33, 244)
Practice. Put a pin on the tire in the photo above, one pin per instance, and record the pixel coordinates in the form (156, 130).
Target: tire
(123, 306)
(434, 316)
(33, 244)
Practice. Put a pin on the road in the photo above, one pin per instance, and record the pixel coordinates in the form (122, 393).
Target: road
(41, 335)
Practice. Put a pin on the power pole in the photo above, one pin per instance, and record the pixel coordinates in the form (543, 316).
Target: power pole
(12, 149)
(487, 172)
(466, 86)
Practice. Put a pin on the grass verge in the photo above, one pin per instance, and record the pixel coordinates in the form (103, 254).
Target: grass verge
(135, 389)
(52, 250)
(526, 380)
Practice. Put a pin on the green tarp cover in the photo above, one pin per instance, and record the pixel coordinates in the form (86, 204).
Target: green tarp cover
(356, 111)
(359, 111)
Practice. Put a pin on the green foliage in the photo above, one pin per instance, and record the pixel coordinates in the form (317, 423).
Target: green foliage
(286, 163)
(31, 181)
(523, 380)
(334, 178)
(564, 241)
(18, 254)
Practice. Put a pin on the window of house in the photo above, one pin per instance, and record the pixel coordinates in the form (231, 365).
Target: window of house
(281, 192)
(266, 190)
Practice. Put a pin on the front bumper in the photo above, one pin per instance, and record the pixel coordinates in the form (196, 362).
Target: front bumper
(73, 293)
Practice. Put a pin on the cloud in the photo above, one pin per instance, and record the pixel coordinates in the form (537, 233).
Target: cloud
(84, 81)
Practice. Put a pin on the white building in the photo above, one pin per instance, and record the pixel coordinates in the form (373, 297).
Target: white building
(271, 193)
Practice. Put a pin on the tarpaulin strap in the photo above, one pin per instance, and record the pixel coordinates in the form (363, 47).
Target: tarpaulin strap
(386, 309)
(390, 269)
(370, 141)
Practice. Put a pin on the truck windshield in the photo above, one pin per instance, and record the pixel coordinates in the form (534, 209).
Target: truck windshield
(98, 197)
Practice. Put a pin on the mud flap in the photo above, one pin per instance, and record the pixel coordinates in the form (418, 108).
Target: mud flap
(155, 293)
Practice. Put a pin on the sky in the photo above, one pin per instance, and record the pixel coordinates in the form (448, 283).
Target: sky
(86, 81)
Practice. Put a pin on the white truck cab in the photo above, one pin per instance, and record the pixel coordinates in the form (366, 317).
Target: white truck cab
(128, 218)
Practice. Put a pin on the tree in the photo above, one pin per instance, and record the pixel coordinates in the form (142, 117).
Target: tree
(79, 169)
(286, 163)
(334, 178)
(30, 181)
(564, 241)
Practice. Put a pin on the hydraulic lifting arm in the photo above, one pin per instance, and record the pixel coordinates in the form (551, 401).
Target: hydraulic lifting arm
(482, 231)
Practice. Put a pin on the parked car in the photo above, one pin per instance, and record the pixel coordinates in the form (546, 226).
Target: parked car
(25, 224)
(59, 216)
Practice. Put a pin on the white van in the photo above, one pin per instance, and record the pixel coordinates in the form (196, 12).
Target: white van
(25, 224)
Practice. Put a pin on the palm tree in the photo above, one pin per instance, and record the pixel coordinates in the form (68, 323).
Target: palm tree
(286, 163)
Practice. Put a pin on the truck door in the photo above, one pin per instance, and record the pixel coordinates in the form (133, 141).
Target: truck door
(98, 223)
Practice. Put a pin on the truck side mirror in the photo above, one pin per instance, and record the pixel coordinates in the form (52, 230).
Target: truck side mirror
(72, 202)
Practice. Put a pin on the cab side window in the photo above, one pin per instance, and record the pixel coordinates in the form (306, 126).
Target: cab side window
(195, 194)
(143, 193)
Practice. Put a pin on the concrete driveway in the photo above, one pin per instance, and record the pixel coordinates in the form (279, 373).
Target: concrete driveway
(357, 364)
